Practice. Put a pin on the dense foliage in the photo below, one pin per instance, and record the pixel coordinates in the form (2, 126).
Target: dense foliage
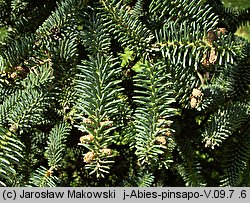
(123, 93)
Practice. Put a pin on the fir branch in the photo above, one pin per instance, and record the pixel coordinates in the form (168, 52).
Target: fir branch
(10, 154)
(56, 144)
(43, 177)
(153, 114)
(224, 123)
(97, 93)
(131, 33)
(235, 157)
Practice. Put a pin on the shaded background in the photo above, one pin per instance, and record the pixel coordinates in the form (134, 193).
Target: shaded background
(242, 31)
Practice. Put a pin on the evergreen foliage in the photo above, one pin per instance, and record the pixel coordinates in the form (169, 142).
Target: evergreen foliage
(123, 93)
